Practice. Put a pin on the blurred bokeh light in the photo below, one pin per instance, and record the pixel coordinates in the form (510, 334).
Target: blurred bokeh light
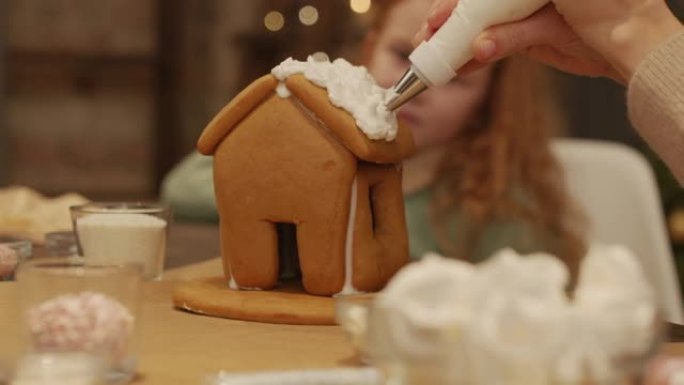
(308, 15)
(360, 6)
(274, 21)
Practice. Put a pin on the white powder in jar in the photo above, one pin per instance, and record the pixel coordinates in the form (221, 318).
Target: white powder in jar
(122, 238)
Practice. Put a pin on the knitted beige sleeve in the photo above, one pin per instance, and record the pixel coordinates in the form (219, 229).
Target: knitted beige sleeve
(655, 100)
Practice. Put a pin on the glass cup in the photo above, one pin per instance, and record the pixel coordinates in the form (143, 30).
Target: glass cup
(11, 255)
(351, 313)
(61, 368)
(66, 306)
(123, 233)
(61, 243)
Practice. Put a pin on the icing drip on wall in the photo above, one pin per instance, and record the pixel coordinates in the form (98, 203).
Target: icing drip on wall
(232, 284)
(349, 243)
(283, 91)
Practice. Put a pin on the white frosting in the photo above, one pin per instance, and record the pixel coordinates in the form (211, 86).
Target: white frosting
(512, 316)
(608, 271)
(614, 296)
(232, 284)
(282, 90)
(124, 238)
(247, 288)
(349, 243)
(349, 87)
(425, 311)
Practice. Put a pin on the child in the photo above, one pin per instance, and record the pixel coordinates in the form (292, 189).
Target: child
(483, 177)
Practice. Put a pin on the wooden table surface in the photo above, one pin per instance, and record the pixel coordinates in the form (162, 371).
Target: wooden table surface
(182, 348)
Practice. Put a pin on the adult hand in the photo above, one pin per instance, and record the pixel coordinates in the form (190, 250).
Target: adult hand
(545, 36)
(585, 37)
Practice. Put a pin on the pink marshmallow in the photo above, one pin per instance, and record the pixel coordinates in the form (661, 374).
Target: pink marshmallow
(86, 321)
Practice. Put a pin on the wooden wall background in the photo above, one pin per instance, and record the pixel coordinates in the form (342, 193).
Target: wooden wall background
(3, 127)
(104, 97)
(79, 95)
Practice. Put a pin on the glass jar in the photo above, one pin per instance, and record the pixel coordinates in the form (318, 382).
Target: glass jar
(66, 306)
(351, 313)
(61, 244)
(123, 233)
(11, 255)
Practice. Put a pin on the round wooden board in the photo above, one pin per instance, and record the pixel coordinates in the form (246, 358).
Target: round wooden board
(287, 304)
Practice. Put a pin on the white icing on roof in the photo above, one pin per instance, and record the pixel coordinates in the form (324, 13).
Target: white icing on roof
(349, 87)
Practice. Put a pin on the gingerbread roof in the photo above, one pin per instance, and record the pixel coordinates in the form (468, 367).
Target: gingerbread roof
(314, 98)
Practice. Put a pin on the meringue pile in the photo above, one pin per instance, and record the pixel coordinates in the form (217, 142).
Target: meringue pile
(510, 319)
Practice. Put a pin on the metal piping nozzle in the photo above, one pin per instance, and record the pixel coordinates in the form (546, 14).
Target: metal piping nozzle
(406, 89)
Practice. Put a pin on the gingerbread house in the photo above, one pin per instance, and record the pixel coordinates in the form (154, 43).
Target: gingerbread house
(302, 162)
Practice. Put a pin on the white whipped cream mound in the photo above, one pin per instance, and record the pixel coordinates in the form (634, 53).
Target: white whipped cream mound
(349, 87)
(427, 311)
(614, 296)
(521, 316)
(512, 314)
(609, 272)
(540, 275)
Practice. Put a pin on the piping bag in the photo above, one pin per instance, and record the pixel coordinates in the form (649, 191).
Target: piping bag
(435, 62)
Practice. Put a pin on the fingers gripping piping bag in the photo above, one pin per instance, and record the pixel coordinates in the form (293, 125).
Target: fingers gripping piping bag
(434, 62)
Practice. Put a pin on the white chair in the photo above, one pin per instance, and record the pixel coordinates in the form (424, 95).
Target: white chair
(615, 187)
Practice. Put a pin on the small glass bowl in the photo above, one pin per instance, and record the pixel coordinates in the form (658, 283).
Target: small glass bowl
(351, 313)
(11, 255)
